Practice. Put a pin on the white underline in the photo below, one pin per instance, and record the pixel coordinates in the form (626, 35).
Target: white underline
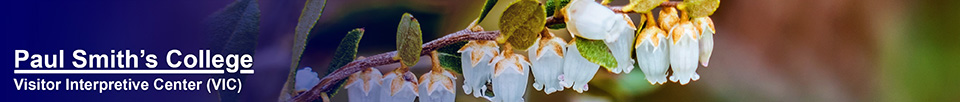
(212, 71)
(246, 71)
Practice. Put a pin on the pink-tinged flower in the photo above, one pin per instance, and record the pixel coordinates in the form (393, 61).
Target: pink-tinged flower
(361, 84)
(399, 85)
(705, 25)
(475, 59)
(577, 71)
(546, 56)
(652, 55)
(684, 52)
(509, 76)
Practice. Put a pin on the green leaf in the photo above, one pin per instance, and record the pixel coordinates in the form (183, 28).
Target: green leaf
(449, 58)
(408, 40)
(347, 51)
(596, 51)
(450, 62)
(643, 6)
(235, 29)
(555, 6)
(308, 18)
(700, 8)
(486, 9)
(522, 22)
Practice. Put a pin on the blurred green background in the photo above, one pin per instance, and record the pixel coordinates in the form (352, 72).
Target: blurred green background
(766, 50)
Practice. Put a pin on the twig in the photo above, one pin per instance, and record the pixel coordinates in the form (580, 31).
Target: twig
(328, 82)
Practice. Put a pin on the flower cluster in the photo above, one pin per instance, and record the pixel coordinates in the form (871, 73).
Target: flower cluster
(688, 45)
(664, 48)
(400, 85)
(688, 40)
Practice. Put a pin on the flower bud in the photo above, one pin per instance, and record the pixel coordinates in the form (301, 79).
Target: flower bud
(705, 24)
(577, 71)
(360, 85)
(475, 59)
(684, 53)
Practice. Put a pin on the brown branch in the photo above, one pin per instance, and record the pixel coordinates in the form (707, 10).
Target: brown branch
(670, 3)
(328, 83)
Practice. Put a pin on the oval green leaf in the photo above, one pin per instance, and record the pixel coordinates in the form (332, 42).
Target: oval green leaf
(522, 22)
(408, 40)
(596, 51)
(347, 51)
(700, 8)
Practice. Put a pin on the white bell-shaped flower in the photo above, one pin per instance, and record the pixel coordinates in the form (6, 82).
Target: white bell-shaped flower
(622, 48)
(705, 24)
(510, 76)
(577, 71)
(438, 84)
(364, 86)
(652, 55)
(684, 52)
(477, 70)
(306, 79)
(590, 20)
(546, 57)
(399, 85)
